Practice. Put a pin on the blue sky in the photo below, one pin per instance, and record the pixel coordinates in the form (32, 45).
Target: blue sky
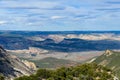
(59, 15)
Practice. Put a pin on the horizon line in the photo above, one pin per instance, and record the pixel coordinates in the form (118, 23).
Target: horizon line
(64, 30)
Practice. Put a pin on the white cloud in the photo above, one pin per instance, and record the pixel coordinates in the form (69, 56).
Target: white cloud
(57, 17)
(28, 4)
(3, 22)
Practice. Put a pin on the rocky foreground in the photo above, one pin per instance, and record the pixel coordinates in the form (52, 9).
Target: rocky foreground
(11, 66)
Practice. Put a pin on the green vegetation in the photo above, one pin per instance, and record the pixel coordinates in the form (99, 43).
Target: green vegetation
(2, 77)
(110, 60)
(90, 71)
(52, 62)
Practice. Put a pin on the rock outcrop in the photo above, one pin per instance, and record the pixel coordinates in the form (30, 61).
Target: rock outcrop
(108, 52)
(11, 66)
(29, 64)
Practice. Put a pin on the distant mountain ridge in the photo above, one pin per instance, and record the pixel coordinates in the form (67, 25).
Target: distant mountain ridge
(33, 33)
(66, 45)
(63, 41)
(76, 45)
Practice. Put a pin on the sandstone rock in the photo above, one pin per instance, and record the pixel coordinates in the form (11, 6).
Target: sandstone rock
(29, 64)
(108, 52)
(11, 66)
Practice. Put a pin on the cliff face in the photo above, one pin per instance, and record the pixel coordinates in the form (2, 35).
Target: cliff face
(11, 66)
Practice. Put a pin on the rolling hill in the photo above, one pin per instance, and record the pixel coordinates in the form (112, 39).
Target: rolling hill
(51, 62)
(111, 60)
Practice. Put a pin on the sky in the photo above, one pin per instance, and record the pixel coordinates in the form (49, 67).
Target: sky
(60, 15)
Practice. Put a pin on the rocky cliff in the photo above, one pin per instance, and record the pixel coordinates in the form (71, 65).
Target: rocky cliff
(11, 66)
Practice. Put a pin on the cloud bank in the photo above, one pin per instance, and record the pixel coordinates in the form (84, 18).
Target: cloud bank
(55, 15)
